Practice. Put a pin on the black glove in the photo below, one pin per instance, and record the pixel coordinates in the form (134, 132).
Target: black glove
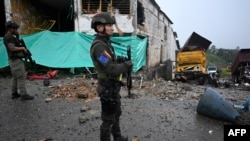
(128, 65)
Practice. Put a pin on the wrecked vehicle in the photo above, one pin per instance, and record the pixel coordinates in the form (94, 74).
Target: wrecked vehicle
(213, 75)
(191, 60)
(240, 69)
(212, 69)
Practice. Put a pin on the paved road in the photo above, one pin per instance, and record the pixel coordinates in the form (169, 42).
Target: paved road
(150, 118)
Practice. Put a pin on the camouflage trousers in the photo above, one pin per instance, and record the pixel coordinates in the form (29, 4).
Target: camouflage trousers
(17, 69)
(111, 110)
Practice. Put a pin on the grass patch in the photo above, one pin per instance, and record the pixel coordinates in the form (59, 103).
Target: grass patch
(225, 73)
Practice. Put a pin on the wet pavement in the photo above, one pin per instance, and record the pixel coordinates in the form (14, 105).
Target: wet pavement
(158, 111)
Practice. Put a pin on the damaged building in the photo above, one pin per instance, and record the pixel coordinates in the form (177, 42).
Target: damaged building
(142, 18)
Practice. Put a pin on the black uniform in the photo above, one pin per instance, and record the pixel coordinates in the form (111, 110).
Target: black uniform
(108, 73)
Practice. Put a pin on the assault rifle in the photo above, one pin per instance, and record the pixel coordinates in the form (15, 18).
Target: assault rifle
(122, 59)
(27, 56)
(129, 79)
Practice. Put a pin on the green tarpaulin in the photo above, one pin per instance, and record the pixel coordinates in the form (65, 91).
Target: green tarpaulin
(71, 49)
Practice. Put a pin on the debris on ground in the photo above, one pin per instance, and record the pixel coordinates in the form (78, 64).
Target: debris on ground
(48, 99)
(168, 108)
(82, 88)
(77, 88)
(244, 117)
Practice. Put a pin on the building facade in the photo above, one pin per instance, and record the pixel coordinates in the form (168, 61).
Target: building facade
(143, 18)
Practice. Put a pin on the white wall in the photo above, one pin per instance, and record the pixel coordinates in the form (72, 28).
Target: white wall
(7, 5)
(159, 50)
(83, 21)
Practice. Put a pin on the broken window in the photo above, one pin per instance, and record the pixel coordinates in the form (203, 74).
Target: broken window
(165, 33)
(140, 14)
(113, 6)
(165, 29)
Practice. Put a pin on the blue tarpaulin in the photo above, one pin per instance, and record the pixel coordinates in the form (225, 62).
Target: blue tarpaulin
(72, 49)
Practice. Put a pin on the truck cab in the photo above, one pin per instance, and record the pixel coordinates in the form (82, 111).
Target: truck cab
(212, 69)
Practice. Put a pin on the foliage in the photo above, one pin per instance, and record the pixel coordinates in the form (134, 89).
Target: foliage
(225, 73)
(228, 55)
(215, 60)
(221, 57)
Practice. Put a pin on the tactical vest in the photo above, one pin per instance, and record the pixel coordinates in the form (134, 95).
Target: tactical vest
(101, 74)
(16, 42)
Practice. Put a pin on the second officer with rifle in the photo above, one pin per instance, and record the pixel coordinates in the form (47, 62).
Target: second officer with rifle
(108, 73)
(15, 59)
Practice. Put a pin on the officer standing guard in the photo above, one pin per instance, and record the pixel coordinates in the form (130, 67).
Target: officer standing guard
(17, 67)
(108, 73)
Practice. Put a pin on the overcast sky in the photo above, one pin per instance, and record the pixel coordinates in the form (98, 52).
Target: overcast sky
(226, 23)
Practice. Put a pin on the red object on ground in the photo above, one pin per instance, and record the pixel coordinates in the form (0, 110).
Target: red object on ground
(50, 74)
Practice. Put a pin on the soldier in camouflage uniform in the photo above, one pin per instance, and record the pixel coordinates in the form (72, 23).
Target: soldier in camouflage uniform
(108, 72)
(16, 63)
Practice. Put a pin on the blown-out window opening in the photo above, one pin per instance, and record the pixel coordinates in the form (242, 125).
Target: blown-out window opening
(113, 6)
(140, 14)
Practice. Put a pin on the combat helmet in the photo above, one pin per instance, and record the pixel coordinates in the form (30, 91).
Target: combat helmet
(11, 24)
(102, 18)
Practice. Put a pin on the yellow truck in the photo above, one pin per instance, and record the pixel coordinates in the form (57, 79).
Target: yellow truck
(191, 59)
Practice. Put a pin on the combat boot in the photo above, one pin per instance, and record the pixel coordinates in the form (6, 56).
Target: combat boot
(15, 95)
(121, 138)
(27, 97)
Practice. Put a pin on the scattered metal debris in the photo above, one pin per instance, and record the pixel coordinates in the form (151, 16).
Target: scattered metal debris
(48, 99)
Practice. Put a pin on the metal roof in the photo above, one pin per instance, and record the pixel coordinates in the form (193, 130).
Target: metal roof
(196, 42)
(242, 58)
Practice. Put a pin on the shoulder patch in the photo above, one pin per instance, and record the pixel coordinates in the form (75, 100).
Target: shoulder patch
(103, 59)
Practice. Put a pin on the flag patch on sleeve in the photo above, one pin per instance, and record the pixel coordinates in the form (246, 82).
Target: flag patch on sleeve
(103, 59)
